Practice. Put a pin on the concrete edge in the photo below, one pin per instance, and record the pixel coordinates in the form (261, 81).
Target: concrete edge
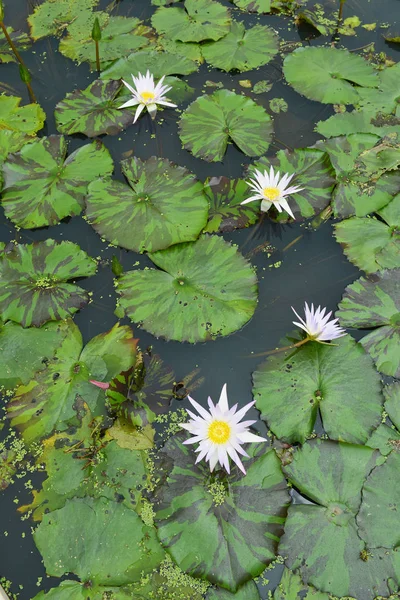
(3, 595)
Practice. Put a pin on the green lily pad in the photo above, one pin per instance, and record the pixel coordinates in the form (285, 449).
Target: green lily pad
(74, 590)
(226, 537)
(339, 381)
(23, 119)
(387, 436)
(24, 352)
(42, 186)
(225, 210)
(363, 121)
(321, 540)
(360, 190)
(142, 392)
(372, 244)
(374, 303)
(242, 49)
(52, 17)
(263, 6)
(189, 50)
(162, 205)
(378, 517)
(183, 301)
(392, 404)
(199, 20)
(49, 401)
(248, 591)
(328, 75)
(210, 122)
(34, 284)
(120, 36)
(99, 540)
(385, 97)
(312, 171)
(20, 40)
(291, 587)
(80, 464)
(95, 110)
(158, 63)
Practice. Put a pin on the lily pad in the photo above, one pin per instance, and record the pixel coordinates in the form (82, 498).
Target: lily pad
(25, 351)
(42, 186)
(392, 404)
(363, 121)
(190, 50)
(291, 587)
(143, 392)
(10, 141)
(99, 540)
(24, 119)
(374, 303)
(20, 40)
(321, 539)
(328, 75)
(199, 20)
(248, 591)
(242, 49)
(95, 110)
(49, 401)
(263, 6)
(385, 98)
(162, 205)
(372, 244)
(312, 171)
(119, 36)
(225, 210)
(74, 590)
(359, 190)
(52, 17)
(228, 537)
(378, 517)
(34, 284)
(211, 121)
(339, 381)
(158, 63)
(182, 300)
(80, 464)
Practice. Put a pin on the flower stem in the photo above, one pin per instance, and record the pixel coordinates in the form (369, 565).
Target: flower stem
(283, 349)
(11, 43)
(97, 55)
(340, 17)
(23, 68)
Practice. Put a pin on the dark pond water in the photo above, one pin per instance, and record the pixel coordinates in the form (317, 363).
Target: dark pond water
(312, 265)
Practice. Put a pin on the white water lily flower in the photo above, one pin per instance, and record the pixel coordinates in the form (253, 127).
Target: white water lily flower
(317, 324)
(272, 190)
(147, 95)
(219, 432)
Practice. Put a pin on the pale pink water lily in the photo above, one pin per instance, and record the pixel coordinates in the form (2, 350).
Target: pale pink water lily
(103, 385)
(272, 189)
(317, 325)
(219, 433)
(146, 94)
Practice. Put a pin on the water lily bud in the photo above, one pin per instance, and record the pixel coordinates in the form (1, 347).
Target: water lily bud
(24, 73)
(1, 11)
(96, 31)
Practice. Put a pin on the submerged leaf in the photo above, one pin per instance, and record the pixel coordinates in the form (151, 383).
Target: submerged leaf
(182, 300)
(23, 119)
(321, 541)
(20, 40)
(328, 75)
(242, 49)
(339, 381)
(199, 20)
(372, 244)
(42, 185)
(226, 212)
(374, 303)
(99, 540)
(34, 284)
(211, 121)
(222, 528)
(162, 205)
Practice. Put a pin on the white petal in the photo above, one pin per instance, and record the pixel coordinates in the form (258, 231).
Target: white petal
(131, 102)
(138, 111)
(252, 199)
(247, 436)
(223, 400)
(202, 411)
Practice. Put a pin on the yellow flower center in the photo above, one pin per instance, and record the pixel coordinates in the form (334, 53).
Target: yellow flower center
(146, 96)
(271, 193)
(219, 432)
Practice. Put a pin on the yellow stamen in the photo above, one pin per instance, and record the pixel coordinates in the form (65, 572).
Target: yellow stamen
(219, 432)
(147, 96)
(271, 193)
